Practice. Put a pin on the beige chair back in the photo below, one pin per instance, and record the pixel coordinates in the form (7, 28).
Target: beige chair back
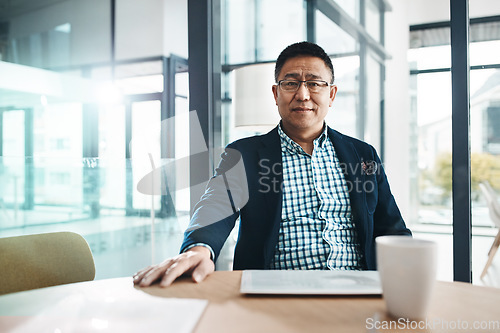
(494, 211)
(492, 201)
(43, 260)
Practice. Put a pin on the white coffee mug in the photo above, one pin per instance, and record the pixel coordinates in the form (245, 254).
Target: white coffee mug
(407, 268)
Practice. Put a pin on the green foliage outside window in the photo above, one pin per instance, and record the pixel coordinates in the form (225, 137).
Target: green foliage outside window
(484, 167)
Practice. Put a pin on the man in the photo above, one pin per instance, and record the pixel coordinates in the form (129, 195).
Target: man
(316, 198)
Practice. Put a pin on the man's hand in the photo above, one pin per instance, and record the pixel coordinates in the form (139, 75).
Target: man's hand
(195, 261)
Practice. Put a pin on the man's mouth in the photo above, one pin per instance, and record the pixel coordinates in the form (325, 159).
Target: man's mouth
(301, 109)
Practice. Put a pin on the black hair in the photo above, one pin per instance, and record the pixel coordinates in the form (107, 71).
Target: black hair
(302, 49)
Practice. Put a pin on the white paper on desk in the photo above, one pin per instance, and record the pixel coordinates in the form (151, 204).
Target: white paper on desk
(133, 311)
(310, 282)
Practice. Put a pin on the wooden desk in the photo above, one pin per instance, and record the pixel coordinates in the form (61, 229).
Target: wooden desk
(229, 311)
(453, 303)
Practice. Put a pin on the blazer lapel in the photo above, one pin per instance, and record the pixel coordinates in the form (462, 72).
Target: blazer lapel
(350, 162)
(271, 167)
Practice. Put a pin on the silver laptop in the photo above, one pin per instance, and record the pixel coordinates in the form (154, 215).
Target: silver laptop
(307, 282)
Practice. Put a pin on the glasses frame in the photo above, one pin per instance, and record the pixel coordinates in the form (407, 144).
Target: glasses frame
(326, 84)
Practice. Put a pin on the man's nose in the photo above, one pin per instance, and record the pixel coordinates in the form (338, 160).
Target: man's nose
(302, 93)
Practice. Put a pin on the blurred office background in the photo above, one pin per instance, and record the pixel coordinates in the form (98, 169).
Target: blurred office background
(94, 94)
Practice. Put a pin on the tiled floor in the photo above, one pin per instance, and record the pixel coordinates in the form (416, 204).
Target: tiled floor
(122, 245)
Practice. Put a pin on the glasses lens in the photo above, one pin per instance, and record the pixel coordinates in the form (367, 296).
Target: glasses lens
(289, 85)
(313, 86)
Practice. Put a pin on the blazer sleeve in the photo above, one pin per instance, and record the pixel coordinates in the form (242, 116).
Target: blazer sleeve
(215, 214)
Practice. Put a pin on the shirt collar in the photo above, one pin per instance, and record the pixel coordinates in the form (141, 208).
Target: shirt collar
(294, 147)
(323, 136)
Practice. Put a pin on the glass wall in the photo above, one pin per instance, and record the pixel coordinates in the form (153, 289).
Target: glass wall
(344, 113)
(79, 130)
(429, 60)
(277, 24)
(351, 7)
(251, 27)
(430, 66)
(345, 51)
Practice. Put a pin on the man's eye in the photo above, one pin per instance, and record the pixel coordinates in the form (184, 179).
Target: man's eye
(291, 84)
(312, 84)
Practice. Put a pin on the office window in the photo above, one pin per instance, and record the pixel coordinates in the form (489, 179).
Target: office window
(432, 91)
(429, 60)
(280, 23)
(351, 7)
(13, 125)
(112, 157)
(239, 31)
(493, 129)
(145, 148)
(65, 158)
(257, 30)
(12, 166)
(60, 158)
(44, 49)
(57, 34)
(139, 78)
(372, 19)
(343, 115)
(372, 122)
(332, 38)
(355, 101)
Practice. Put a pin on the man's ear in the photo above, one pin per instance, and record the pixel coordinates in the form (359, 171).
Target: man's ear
(333, 93)
(275, 93)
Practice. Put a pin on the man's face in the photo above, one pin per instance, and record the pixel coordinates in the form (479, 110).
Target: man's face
(302, 111)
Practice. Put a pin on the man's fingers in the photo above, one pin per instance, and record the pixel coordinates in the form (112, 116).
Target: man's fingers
(194, 260)
(183, 263)
(174, 271)
(154, 274)
(202, 270)
(148, 275)
(140, 274)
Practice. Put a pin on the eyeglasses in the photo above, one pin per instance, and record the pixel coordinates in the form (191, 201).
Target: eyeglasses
(314, 86)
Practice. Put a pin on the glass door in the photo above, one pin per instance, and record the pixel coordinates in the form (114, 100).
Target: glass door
(112, 158)
(144, 152)
(12, 165)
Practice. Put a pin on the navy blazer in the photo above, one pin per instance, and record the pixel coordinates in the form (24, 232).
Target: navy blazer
(373, 208)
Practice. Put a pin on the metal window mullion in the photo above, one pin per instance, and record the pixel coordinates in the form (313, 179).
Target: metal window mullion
(129, 182)
(462, 236)
(311, 21)
(382, 112)
(204, 84)
(29, 172)
(257, 28)
(382, 27)
(113, 37)
(382, 9)
(216, 49)
(362, 13)
(168, 108)
(1, 135)
(167, 144)
(361, 110)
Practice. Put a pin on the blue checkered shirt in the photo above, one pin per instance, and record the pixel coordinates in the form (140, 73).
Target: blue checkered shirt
(316, 226)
